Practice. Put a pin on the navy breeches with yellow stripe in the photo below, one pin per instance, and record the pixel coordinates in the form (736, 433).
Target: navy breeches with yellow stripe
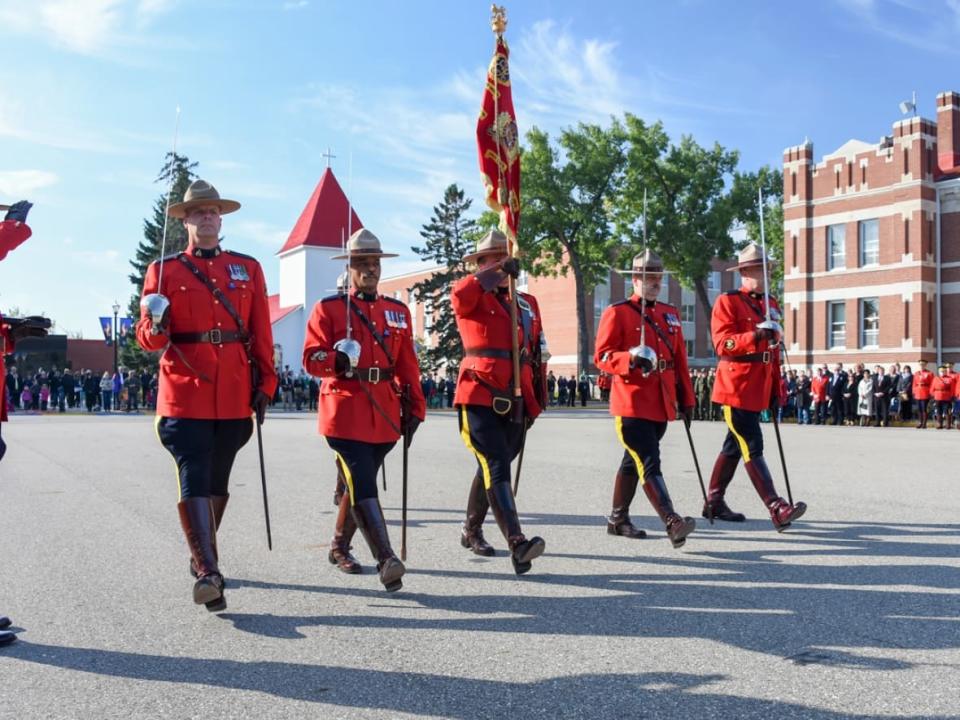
(641, 441)
(744, 436)
(204, 451)
(360, 462)
(493, 439)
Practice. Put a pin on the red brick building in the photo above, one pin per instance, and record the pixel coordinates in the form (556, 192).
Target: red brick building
(872, 246)
(558, 305)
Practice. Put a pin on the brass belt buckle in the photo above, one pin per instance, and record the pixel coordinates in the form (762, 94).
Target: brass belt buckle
(662, 364)
(216, 337)
(766, 357)
(373, 375)
(502, 405)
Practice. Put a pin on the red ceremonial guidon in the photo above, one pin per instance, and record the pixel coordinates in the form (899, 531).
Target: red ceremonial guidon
(656, 396)
(746, 384)
(483, 319)
(207, 380)
(498, 142)
(346, 409)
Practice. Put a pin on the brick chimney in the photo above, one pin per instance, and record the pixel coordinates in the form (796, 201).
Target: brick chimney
(948, 132)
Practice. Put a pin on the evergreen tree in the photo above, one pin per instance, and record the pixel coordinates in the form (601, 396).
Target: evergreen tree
(178, 169)
(449, 236)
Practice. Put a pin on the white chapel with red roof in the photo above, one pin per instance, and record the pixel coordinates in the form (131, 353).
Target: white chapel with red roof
(307, 274)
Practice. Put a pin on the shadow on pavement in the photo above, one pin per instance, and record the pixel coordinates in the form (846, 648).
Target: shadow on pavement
(599, 696)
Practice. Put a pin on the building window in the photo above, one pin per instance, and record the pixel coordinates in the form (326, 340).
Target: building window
(869, 322)
(869, 242)
(906, 235)
(836, 247)
(906, 319)
(837, 328)
(601, 298)
(793, 183)
(664, 295)
(906, 161)
(689, 344)
(713, 280)
(850, 174)
(688, 313)
(863, 174)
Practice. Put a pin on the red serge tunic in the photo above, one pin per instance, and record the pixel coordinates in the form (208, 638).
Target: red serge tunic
(922, 380)
(483, 319)
(12, 235)
(943, 387)
(345, 410)
(211, 380)
(748, 385)
(656, 396)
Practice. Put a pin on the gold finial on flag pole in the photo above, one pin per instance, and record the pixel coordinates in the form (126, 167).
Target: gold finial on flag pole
(498, 19)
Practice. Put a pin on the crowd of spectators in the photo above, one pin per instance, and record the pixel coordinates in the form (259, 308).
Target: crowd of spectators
(59, 391)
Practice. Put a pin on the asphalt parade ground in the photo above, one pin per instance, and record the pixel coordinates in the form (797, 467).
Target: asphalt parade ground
(853, 612)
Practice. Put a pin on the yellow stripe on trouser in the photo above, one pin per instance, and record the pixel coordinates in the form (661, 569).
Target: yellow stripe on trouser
(618, 424)
(465, 434)
(346, 475)
(176, 465)
(741, 441)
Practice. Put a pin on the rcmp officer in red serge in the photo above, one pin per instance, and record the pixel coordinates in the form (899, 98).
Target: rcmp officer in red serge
(13, 231)
(649, 390)
(214, 333)
(484, 392)
(360, 396)
(747, 383)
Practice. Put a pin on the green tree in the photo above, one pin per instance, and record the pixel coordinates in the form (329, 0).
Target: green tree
(448, 237)
(178, 170)
(691, 209)
(565, 227)
(744, 194)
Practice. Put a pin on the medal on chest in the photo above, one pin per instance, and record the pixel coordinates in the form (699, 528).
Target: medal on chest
(395, 319)
(238, 272)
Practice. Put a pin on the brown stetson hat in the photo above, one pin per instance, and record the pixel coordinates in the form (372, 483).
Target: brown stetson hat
(363, 243)
(750, 256)
(493, 243)
(201, 192)
(4, 207)
(647, 261)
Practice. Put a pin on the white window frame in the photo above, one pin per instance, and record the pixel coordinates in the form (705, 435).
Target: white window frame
(714, 281)
(836, 236)
(832, 333)
(691, 348)
(688, 312)
(861, 233)
(875, 321)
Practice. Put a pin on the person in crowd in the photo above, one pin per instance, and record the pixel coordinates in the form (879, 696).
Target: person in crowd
(865, 402)
(883, 385)
(943, 390)
(91, 391)
(835, 392)
(905, 392)
(106, 392)
(133, 391)
(818, 388)
(922, 392)
(583, 389)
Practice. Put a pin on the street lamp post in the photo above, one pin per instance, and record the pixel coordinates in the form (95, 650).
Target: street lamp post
(116, 334)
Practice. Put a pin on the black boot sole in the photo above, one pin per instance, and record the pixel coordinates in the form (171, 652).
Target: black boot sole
(487, 551)
(522, 562)
(218, 605)
(355, 569)
(734, 517)
(7, 637)
(390, 574)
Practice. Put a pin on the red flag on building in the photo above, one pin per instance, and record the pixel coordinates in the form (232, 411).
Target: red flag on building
(498, 142)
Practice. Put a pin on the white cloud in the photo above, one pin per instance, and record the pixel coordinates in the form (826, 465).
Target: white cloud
(23, 183)
(915, 24)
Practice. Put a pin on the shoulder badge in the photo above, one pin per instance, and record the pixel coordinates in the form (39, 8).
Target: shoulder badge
(729, 344)
(170, 258)
(394, 301)
(240, 255)
(331, 298)
(732, 292)
(621, 302)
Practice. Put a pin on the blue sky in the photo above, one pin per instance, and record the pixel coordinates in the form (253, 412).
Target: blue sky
(87, 105)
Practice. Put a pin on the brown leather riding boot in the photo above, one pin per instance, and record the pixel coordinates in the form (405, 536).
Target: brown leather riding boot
(522, 551)
(341, 489)
(343, 533)
(677, 527)
(218, 505)
(715, 507)
(624, 490)
(196, 519)
(369, 518)
(782, 513)
(471, 536)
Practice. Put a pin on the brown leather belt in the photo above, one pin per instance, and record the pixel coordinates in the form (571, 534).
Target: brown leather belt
(665, 365)
(215, 336)
(763, 357)
(372, 375)
(488, 353)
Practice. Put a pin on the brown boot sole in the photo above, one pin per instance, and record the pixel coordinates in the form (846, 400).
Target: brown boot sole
(390, 573)
(535, 548)
(801, 509)
(481, 550)
(627, 531)
(206, 590)
(679, 538)
(350, 568)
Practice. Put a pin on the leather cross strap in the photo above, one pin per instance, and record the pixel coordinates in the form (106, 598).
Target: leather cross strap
(373, 331)
(215, 336)
(657, 329)
(218, 294)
